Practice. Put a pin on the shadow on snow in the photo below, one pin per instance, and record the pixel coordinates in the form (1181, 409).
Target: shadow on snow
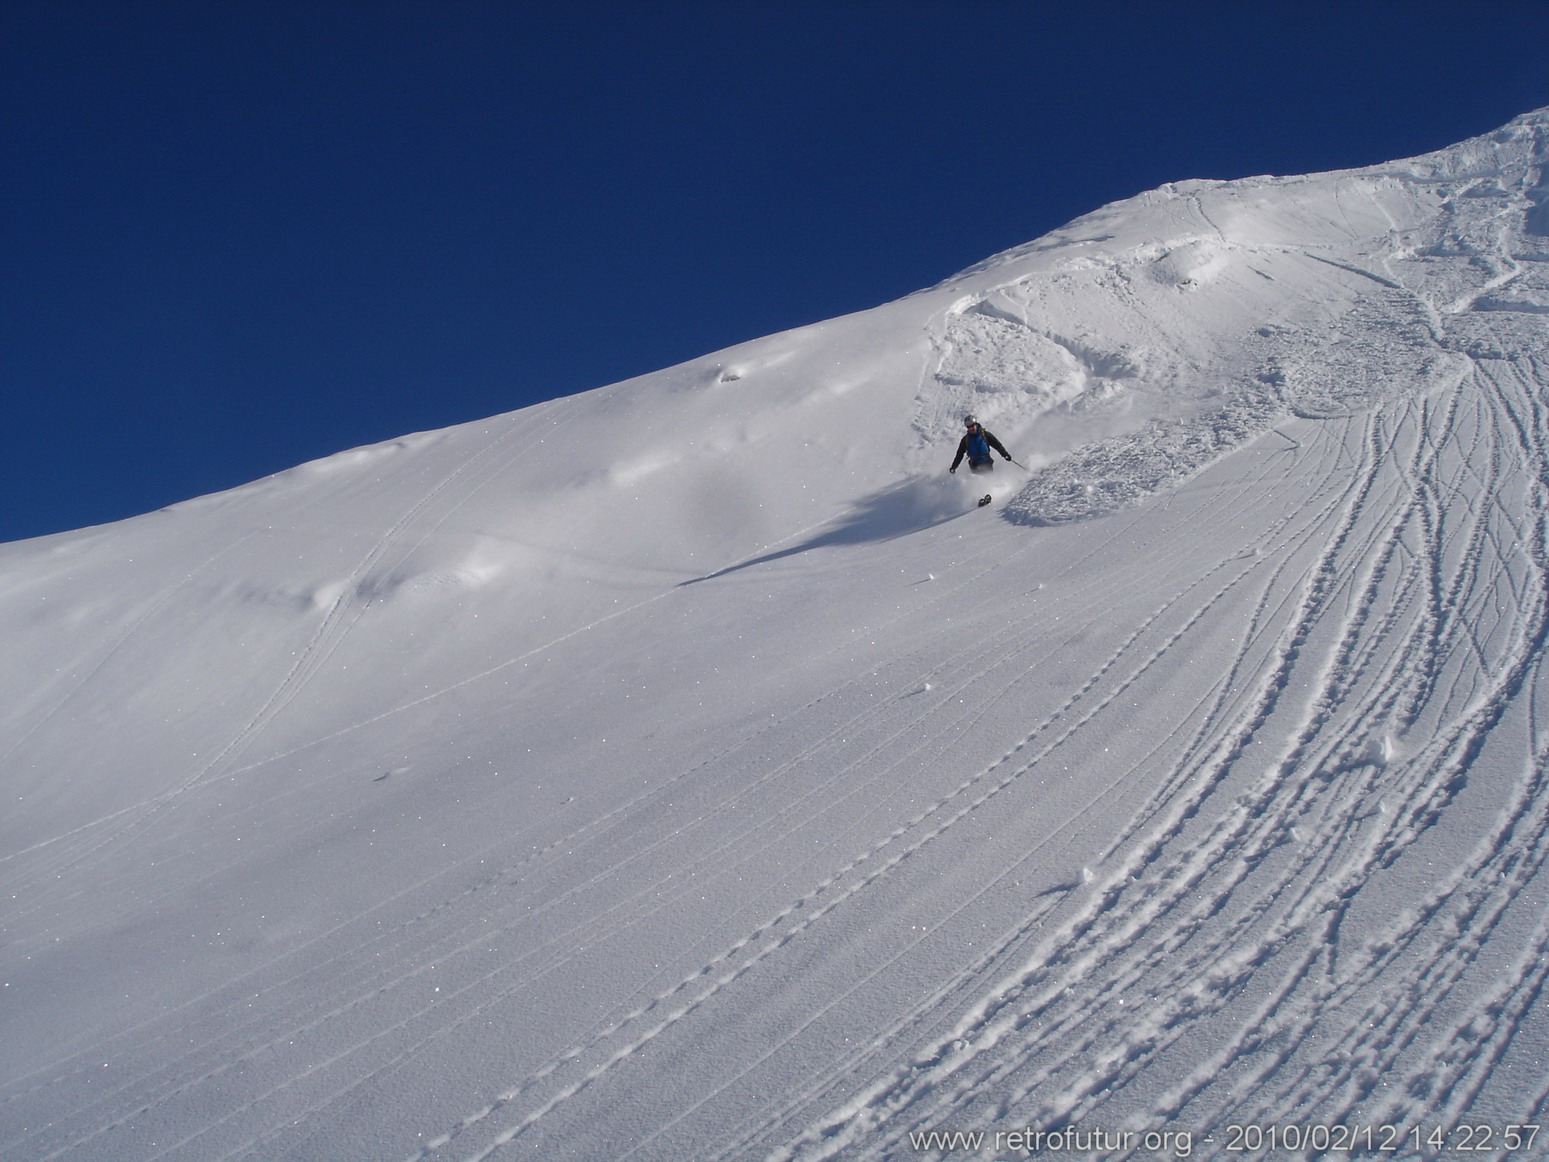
(893, 512)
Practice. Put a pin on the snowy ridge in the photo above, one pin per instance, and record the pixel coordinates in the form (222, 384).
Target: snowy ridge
(1363, 320)
(685, 770)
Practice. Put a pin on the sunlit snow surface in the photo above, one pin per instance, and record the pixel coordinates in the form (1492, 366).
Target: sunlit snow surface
(686, 769)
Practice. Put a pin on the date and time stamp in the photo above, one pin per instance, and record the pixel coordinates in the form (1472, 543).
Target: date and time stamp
(1471, 1139)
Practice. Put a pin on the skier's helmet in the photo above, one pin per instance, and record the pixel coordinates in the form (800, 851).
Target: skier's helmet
(970, 421)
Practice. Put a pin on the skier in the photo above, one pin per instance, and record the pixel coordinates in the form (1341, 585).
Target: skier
(976, 444)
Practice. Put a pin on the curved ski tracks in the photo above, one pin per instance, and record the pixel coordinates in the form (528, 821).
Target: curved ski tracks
(1322, 1003)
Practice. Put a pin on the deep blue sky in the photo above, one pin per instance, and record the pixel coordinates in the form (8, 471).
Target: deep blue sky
(239, 235)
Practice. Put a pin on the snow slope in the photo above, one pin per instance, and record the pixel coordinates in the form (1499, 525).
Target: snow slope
(685, 770)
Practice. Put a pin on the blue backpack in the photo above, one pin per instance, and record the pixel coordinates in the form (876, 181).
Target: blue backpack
(978, 449)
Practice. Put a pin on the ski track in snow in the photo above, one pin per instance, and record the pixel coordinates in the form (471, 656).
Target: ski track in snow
(1361, 1012)
(1231, 808)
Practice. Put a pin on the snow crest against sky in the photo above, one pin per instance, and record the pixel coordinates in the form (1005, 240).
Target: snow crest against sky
(240, 236)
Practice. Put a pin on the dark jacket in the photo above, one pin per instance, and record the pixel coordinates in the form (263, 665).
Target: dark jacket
(989, 438)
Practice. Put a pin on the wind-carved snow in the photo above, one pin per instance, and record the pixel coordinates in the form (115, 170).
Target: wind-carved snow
(1338, 326)
(686, 769)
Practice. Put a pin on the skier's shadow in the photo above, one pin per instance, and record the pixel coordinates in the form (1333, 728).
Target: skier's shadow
(893, 512)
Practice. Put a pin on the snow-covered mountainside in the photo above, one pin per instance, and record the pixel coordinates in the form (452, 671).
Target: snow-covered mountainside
(686, 769)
